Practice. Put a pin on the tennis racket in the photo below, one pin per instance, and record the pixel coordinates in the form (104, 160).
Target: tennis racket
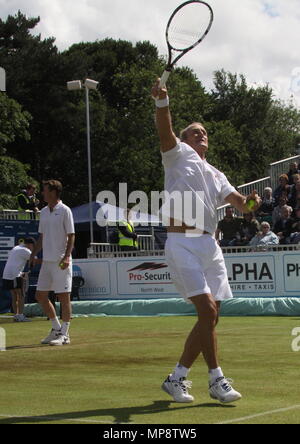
(188, 26)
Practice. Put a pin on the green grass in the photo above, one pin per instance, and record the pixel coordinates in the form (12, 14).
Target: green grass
(113, 370)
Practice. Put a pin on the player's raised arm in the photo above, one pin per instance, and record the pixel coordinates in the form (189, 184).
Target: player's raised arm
(167, 137)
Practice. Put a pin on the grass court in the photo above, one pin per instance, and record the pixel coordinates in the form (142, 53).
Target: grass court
(113, 369)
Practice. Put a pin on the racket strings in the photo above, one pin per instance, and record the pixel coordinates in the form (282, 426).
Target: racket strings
(180, 36)
(189, 25)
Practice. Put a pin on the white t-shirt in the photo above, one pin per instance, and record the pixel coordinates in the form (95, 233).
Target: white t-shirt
(186, 171)
(16, 262)
(55, 227)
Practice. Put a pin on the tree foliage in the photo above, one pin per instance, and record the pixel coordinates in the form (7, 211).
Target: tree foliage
(248, 128)
(14, 122)
(13, 178)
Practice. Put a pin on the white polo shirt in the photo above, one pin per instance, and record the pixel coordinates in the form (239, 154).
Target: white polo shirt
(186, 171)
(55, 226)
(16, 262)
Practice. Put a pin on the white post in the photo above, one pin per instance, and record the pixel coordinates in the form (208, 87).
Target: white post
(88, 131)
(2, 340)
(2, 79)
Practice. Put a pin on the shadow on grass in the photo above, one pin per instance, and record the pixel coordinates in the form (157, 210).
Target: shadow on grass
(21, 347)
(120, 415)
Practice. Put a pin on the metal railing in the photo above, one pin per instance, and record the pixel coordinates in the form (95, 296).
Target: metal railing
(146, 244)
(98, 252)
(258, 185)
(261, 249)
(281, 167)
(276, 169)
(17, 215)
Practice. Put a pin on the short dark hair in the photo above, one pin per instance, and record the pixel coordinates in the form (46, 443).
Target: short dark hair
(29, 240)
(54, 185)
(30, 185)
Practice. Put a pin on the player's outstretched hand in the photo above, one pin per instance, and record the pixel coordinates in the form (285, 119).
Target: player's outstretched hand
(158, 92)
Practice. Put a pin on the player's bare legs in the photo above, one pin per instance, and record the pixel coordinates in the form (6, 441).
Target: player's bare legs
(66, 311)
(66, 308)
(47, 306)
(202, 338)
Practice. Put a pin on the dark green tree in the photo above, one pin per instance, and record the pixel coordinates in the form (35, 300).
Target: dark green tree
(13, 177)
(14, 123)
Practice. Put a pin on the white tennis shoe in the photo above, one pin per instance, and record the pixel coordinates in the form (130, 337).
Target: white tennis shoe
(178, 389)
(51, 337)
(223, 392)
(60, 340)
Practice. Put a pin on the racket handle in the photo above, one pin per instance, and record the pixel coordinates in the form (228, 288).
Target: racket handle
(164, 79)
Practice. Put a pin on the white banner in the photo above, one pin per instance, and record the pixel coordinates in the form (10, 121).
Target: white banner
(250, 275)
(291, 274)
(4, 255)
(253, 275)
(96, 274)
(7, 242)
(144, 278)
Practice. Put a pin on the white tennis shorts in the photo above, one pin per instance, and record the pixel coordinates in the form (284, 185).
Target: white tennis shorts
(197, 266)
(53, 278)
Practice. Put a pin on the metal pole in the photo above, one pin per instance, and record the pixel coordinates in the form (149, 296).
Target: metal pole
(88, 130)
(2, 79)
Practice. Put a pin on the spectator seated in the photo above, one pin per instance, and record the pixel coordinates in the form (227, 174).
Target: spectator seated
(264, 214)
(229, 227)
(283, 227)
(248, 229)
(264, 237)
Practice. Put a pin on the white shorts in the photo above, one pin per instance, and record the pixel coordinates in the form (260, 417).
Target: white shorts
(197, 266)
(53, 278)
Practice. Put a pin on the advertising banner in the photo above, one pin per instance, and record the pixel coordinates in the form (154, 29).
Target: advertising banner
(252, 275)
(144, 278)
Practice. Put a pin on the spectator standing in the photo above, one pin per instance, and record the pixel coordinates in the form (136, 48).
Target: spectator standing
(229, 227)
(27, 201)
(127, 235)
(282, 189)
(294, 189)
(294, 169)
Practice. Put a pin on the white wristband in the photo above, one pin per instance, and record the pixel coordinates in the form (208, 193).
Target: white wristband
(162, 103)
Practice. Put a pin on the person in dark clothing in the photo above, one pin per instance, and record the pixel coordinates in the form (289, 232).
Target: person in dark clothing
(294, 169)
(282, 189)
(27, 200)
(248, 229)
(283, 227)
(268, 204)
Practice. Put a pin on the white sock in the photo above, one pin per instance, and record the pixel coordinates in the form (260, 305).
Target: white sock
(215, 374)
(65, 328)
(55, 323)
(180, 372)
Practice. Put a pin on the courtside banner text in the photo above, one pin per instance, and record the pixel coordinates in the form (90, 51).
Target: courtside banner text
(250, 275)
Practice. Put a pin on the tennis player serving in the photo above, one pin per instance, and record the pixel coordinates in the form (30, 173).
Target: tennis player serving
(196, 261)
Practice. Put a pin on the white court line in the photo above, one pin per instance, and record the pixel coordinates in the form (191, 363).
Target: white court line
(258, 415)
(54, 418)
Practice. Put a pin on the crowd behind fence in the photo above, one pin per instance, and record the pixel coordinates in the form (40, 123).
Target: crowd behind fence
(146, 242)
